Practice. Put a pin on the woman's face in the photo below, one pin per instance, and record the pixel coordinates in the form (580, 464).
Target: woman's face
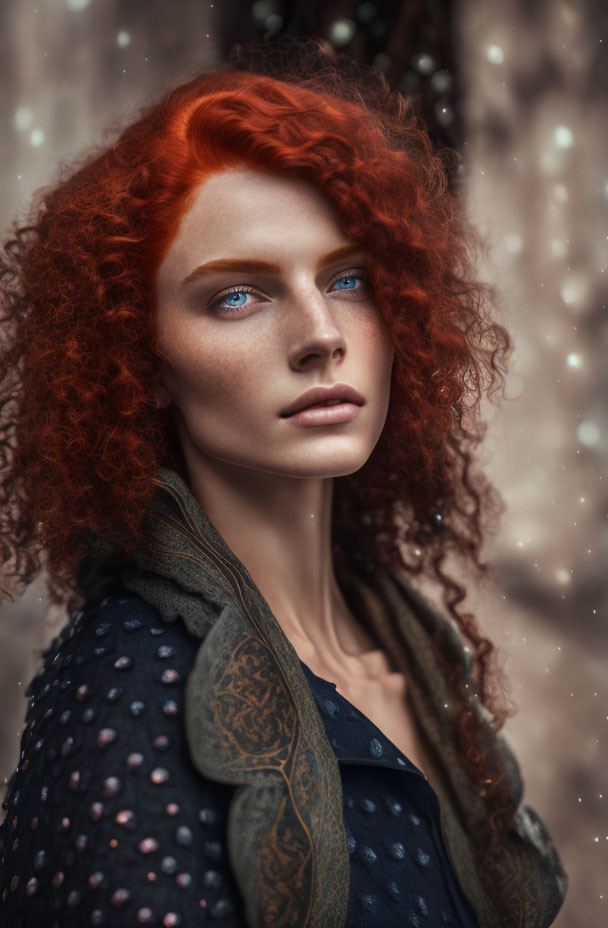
(254, 307)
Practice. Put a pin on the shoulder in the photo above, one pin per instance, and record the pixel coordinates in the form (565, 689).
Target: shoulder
(113, 662)
(108, 821)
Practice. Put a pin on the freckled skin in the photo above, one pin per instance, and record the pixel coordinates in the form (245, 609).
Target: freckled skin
(265, 483)
(233, 374)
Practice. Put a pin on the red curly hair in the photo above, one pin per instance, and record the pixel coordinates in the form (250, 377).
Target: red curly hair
(79, 361)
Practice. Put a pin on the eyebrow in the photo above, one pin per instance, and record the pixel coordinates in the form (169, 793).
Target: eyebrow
(249, 266)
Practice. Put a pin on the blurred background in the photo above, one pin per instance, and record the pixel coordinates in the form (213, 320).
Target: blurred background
(519, 90)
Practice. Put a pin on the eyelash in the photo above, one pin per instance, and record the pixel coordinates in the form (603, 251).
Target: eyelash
(358, 273)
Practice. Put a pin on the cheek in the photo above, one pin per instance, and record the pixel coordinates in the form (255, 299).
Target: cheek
(211, 372)
(378, 345)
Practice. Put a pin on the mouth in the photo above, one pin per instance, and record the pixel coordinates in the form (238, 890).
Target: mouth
(324, 397)
(322, 404)
(324, 414)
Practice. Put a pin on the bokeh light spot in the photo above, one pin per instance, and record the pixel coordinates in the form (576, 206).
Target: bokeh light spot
(495, 54)
(588, 433)
(36, 137)
(341, 32)
(23, 118)
(563, 137)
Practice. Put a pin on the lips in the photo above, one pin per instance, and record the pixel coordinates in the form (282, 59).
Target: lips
(322, 395)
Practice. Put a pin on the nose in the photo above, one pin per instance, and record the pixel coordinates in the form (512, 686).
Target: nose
(316, 335)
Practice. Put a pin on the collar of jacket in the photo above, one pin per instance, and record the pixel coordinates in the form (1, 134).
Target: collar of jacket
(252, 721)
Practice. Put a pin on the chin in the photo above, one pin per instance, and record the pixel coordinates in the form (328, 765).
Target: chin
(327, 465)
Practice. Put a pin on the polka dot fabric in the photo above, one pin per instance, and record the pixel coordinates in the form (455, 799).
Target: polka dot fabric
(400, 873)
(108, 822)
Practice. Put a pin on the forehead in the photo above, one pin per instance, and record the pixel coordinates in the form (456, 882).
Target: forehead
(242, 212)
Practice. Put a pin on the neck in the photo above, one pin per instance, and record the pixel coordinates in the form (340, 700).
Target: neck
(280, 529)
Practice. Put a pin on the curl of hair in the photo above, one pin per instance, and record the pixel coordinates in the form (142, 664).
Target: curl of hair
(80, 436)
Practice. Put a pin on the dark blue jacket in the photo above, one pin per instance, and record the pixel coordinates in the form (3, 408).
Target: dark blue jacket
(109, 823)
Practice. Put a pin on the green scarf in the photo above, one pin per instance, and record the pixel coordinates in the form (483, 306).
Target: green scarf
(252, 721)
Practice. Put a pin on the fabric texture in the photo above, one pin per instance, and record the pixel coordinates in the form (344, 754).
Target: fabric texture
(252, 722)
(400, 873)
(109, 823)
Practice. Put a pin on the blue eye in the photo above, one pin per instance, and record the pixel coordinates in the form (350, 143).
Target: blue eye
(348, 281)
(228, 299)
(232, 301)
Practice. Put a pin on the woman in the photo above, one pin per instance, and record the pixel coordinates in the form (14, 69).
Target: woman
(252, 715)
